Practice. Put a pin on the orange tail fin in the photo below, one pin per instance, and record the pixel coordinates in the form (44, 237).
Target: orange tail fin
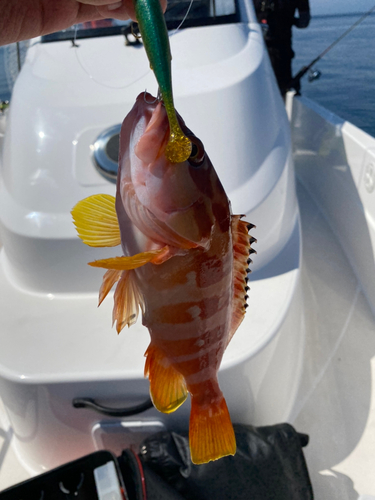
(211, 433)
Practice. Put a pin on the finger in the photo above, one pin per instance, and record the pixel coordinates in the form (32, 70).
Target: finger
(119, 10)
(163, 4)
(99, 3)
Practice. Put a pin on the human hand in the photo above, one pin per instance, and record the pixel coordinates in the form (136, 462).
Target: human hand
(303, 20)
(25, 19)
(111, 8)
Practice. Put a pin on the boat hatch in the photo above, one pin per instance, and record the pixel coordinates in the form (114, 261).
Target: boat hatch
(106, 150)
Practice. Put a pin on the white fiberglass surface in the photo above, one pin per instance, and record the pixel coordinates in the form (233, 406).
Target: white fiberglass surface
(11, 471)
(335, 161)
(119, 66)
(224, 73)
(336, 402)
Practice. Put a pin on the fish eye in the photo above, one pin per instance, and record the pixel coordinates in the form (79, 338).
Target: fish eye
(198, 153)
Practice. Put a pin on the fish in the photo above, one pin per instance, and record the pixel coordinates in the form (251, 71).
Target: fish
(153, 30)
(184, 266)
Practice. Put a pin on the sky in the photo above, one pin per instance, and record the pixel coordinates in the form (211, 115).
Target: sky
(322, 7)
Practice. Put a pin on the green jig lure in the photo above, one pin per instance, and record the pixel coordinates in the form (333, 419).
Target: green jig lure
(155, 39)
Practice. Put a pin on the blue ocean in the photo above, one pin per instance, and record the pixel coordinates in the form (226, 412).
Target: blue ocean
(347, 83)
(10, 58)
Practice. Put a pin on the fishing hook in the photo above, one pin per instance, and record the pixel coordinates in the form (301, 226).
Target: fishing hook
(157, 98)
(133, 27)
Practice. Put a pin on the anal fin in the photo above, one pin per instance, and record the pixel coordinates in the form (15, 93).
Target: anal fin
(167, 386)
(211, 434)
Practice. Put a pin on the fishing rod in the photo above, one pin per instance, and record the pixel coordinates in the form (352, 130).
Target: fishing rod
(296, 81)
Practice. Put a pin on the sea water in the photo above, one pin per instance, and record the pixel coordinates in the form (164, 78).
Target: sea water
(10, 59)
(5, 79)
(347, 83)
(346, 86)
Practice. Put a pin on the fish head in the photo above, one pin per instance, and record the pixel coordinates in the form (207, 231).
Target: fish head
(183, 199)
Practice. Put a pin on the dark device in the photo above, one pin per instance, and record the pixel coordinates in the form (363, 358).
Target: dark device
(93, 477)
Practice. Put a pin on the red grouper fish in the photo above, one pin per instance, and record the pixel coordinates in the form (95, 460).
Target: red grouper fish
(185, 266)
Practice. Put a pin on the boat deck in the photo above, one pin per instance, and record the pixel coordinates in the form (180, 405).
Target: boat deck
(335, 403)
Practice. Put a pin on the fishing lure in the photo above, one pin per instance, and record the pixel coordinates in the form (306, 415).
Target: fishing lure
(155, 39)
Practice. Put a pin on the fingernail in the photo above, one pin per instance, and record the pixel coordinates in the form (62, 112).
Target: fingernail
(114, 6)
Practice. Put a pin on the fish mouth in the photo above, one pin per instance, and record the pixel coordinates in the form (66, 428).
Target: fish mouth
(152, 130)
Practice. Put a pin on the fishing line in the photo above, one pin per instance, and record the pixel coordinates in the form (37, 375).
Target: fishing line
(115, 87)
(183, 20)
(296, 79)
(89, 74)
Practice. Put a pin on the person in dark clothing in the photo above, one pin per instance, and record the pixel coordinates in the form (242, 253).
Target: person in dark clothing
(277, 18)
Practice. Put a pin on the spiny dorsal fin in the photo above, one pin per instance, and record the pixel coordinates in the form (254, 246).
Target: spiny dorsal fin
(96, 221)
(241, 260)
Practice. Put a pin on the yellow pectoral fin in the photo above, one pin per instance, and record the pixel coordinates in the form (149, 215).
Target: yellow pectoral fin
(96, 221)
(127, 263)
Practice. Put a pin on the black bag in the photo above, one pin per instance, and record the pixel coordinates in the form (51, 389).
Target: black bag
(269, 465)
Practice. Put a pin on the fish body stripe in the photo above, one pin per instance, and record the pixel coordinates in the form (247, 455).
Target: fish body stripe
(196, 381)
(182, 358)
(184, 349)
(185, 331)
(188, 312)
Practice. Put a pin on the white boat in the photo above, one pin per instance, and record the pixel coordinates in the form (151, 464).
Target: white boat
(304, 353)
